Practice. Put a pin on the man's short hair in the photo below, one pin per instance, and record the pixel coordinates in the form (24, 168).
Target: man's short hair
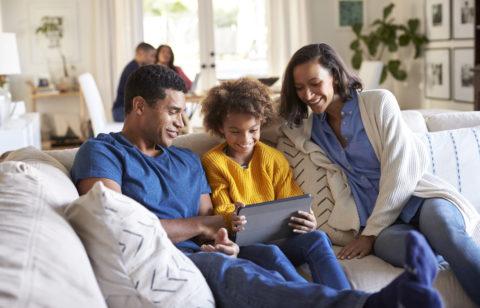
(144, 46)
(150, 82)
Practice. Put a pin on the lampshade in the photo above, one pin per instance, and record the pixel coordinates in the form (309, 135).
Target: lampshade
(9, 61)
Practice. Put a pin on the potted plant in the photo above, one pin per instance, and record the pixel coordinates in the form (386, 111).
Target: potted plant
(386, 36)
(52, 29)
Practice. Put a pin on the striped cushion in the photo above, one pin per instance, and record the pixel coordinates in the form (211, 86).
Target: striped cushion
(313, 180)
(455, 157)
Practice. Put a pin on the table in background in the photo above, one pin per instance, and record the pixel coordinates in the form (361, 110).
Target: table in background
(20, 131)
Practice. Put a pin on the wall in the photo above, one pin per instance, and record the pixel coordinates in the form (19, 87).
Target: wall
(410, 93)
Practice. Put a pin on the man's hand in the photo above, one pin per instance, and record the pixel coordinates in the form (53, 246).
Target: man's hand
(359, 248)
(222, 244)
(238, 221)
(303, 225)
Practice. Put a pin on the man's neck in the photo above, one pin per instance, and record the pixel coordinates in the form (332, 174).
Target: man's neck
(146, 147)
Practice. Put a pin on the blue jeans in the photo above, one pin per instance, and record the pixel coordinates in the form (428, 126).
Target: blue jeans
(443, 226)
(271, 258)
(314, 248)
(238, 282)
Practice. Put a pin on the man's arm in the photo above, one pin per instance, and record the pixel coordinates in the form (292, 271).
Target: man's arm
(84, 185)
(205, 225)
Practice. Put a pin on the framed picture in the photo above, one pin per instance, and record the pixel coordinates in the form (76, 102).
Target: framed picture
(437, 19)
(349, 12)
(437, 73)
(463, 74)
(463, 18)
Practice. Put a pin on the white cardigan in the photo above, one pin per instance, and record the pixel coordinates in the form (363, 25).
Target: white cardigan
(403, 160)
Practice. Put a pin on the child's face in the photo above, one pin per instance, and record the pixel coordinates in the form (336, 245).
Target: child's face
(241, 131)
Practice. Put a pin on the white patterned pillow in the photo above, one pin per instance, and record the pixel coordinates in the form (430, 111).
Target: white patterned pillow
(135, 263)
(313, 180)
(455, 157)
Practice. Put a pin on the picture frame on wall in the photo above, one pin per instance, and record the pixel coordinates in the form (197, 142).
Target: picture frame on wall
(463, 19)
(437, 73)
(463, 63)
(350, 12)
(437, 19)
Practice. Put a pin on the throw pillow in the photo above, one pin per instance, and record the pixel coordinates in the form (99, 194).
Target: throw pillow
(313, 180)
(455, 157)
(134, 261)
(452, 120)
(42, 261)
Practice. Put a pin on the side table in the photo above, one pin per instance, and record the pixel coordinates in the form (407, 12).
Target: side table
(20, 131)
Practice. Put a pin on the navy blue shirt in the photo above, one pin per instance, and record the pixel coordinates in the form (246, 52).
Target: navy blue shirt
(358, 159)
(118, 105)
(169, 185)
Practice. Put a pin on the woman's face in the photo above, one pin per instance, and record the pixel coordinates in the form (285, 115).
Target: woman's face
(164, 55)
(314, 86)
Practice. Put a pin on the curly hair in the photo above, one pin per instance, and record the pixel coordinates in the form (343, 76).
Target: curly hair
(291, 107)
(245, 95)
(150, 82)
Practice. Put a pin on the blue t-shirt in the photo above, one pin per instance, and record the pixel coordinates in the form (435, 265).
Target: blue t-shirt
(119, 103)
(169, 185)
(358, 159)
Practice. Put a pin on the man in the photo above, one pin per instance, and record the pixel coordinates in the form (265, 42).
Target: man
(144, 55)
(141, 163)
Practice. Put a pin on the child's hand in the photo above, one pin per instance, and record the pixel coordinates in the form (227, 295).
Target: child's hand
(238, 221)
(303, 225)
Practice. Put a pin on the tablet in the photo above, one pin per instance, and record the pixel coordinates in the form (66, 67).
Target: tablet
(267, 222)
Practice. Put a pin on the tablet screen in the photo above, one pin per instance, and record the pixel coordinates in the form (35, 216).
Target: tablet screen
(268, 222)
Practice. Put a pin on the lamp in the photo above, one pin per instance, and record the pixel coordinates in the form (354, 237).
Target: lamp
(9, 65)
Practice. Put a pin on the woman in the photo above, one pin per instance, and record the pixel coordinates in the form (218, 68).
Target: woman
(360, 136)
(165, 57)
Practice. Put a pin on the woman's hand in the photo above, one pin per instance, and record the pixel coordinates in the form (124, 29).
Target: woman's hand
(222, 244)
(304, 224)
(359, 248)
(238, 221)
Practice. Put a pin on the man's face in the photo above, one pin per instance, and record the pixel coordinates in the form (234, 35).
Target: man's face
(148, 57)
(163, 122)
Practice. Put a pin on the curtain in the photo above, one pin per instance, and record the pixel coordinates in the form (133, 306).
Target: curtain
(117, 31)
(288, 30)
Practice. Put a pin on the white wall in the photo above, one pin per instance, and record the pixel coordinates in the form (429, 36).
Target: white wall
(410, 93)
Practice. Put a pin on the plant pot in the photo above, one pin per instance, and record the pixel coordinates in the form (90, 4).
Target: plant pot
(370, 74)
(66, 84)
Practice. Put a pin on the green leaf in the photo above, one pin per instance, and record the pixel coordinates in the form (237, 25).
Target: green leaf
(413, 24)
(357, 60)
(404, 39)
(394, 69)
(355, 45)
(392, 47)
(384, 75)
(388, 10)
(357, 28)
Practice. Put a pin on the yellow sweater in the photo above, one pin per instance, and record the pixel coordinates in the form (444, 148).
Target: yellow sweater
(268, 177)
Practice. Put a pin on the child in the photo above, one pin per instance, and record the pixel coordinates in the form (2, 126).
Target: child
(244, 170)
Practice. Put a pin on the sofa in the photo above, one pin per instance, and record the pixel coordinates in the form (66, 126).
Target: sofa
(103, 249)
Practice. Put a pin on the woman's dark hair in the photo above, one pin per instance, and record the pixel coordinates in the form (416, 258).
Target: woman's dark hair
(291, 107)
(150, 82)
(244, 95)
(170, 63)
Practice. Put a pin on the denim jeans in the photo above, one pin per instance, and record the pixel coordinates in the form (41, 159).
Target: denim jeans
(313, 248)
(237, 282)
(443, 226)
(270, 257)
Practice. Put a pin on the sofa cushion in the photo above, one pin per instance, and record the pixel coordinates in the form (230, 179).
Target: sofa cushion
(313, 180)
(452, 120)
(415, 121)
(199, 143)
(51, 172)
(42, 261)
(134, 261)
(455, 157)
